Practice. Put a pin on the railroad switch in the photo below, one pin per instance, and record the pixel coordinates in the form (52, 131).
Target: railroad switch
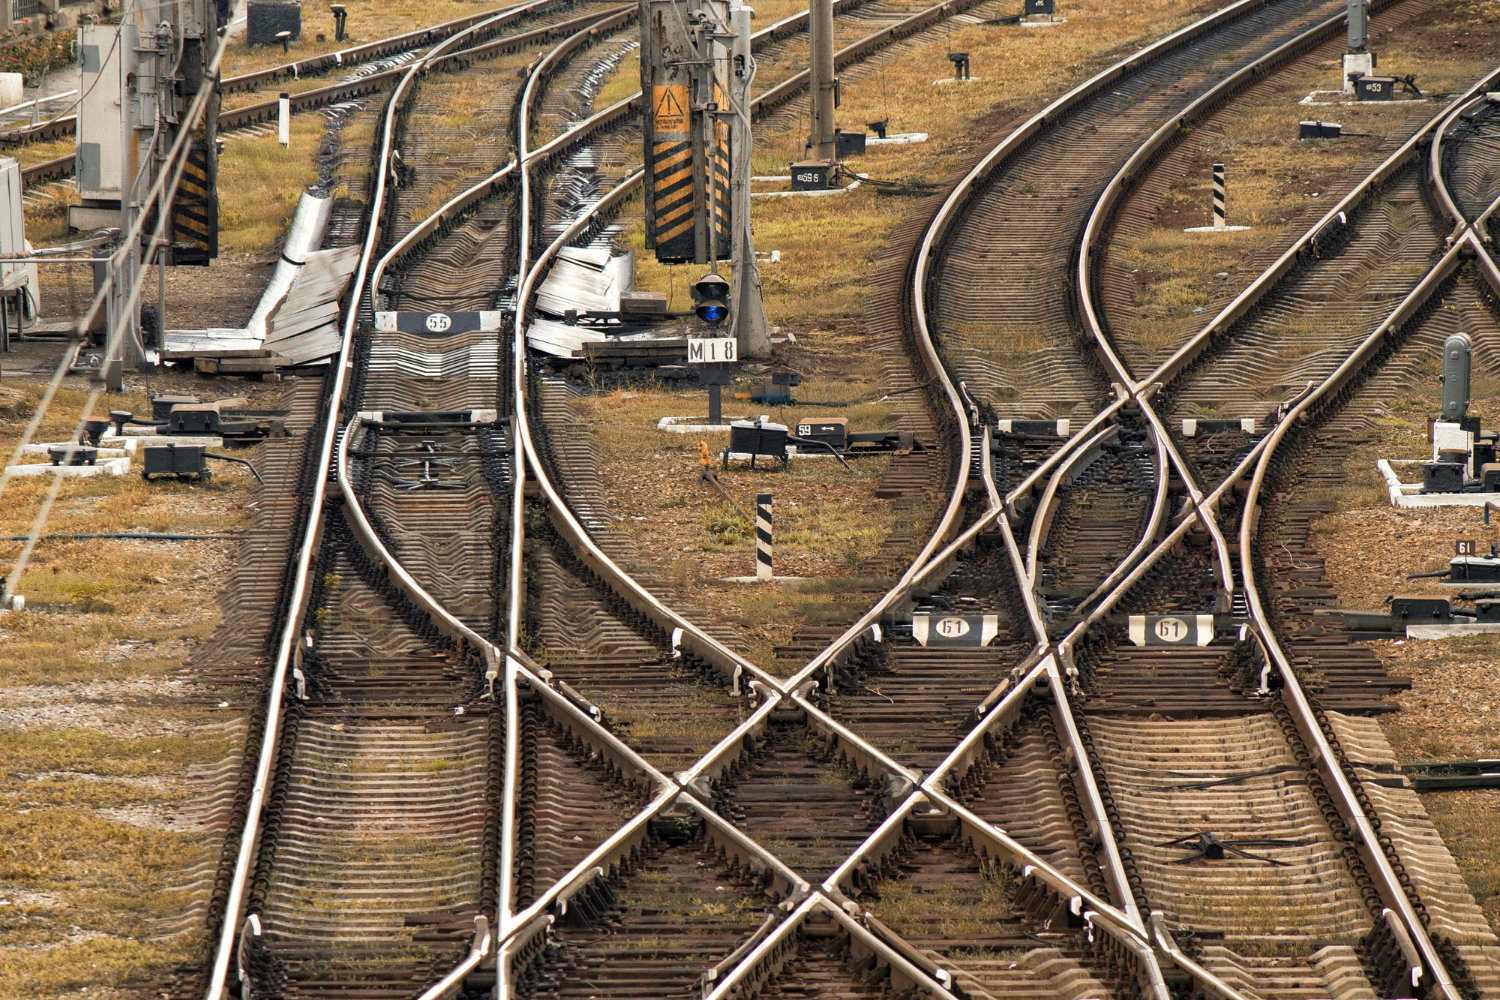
(1417, 611)
(432, 466)
(1209, 847)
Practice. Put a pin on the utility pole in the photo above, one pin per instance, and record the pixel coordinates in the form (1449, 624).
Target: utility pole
(1358, 59)
(696, 72)
(821, 140)
(748, 315)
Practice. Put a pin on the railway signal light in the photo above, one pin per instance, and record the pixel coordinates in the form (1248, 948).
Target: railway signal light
(710, 299)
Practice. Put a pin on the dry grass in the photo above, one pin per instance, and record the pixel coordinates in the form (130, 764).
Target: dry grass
(827, 521)
(98, 747)
(369, 20)
(477, 101)
(260, 183)
(1278, 184)
(1466, 821)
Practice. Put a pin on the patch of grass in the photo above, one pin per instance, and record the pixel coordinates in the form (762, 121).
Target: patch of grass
(260, 183)
(1277, 184)
(96, 761)
(1466, 820)
(726, 525)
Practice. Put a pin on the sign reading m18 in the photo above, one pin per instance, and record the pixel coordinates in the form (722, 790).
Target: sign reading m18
(711, 350)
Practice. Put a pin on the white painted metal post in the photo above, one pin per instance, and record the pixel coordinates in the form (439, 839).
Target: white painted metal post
(284, 119)
(1218, 196)
(763, 536)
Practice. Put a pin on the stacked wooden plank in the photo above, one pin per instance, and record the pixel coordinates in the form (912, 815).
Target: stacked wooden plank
(305, 327)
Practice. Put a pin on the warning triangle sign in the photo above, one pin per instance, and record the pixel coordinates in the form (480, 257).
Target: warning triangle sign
(668, 114)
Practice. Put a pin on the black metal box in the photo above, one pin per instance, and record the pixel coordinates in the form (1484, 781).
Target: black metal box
(176, 460)
(848, 143)
(162, 405)
(194, 418)
(1442, 477)
(832, 431)
(1374, 88)
(1040, 7)
(1319, 130)
(1434, 609)
(1474, 569)
(73, 454)
(814, 175)
(768, 440)
(264, 19)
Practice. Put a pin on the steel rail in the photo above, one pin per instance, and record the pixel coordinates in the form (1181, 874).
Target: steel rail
(520, 344)
(514, 671)
(1103, 213)
(698, 642)
(64, 125)
(1026, 569)
(1047, 504)
(289, 649)
(1435, 171)
(1461, 225)
(1055, 681)
(962, 193)
(1324, 756)
(334, 93)
(1169, 370)
(1393, 893)
(583, 544)
(426, 229)
(936, 232)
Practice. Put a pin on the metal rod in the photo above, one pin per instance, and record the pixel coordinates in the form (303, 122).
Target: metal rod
(145, 536)
(55, 260)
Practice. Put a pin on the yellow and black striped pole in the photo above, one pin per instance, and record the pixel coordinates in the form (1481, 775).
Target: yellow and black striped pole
(672, 188)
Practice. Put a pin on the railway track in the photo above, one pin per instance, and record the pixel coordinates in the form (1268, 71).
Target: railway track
(802, 833)
(1172, 589)
(378, 843)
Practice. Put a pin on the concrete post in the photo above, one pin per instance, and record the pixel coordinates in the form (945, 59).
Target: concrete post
(748, 312)
(821, 139)
(1358, 59)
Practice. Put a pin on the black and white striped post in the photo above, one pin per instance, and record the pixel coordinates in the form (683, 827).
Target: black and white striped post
(1218, 196)
(763, 536)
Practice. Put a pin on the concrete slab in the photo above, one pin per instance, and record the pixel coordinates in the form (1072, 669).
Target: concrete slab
(1450, 631)
(112, 467)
